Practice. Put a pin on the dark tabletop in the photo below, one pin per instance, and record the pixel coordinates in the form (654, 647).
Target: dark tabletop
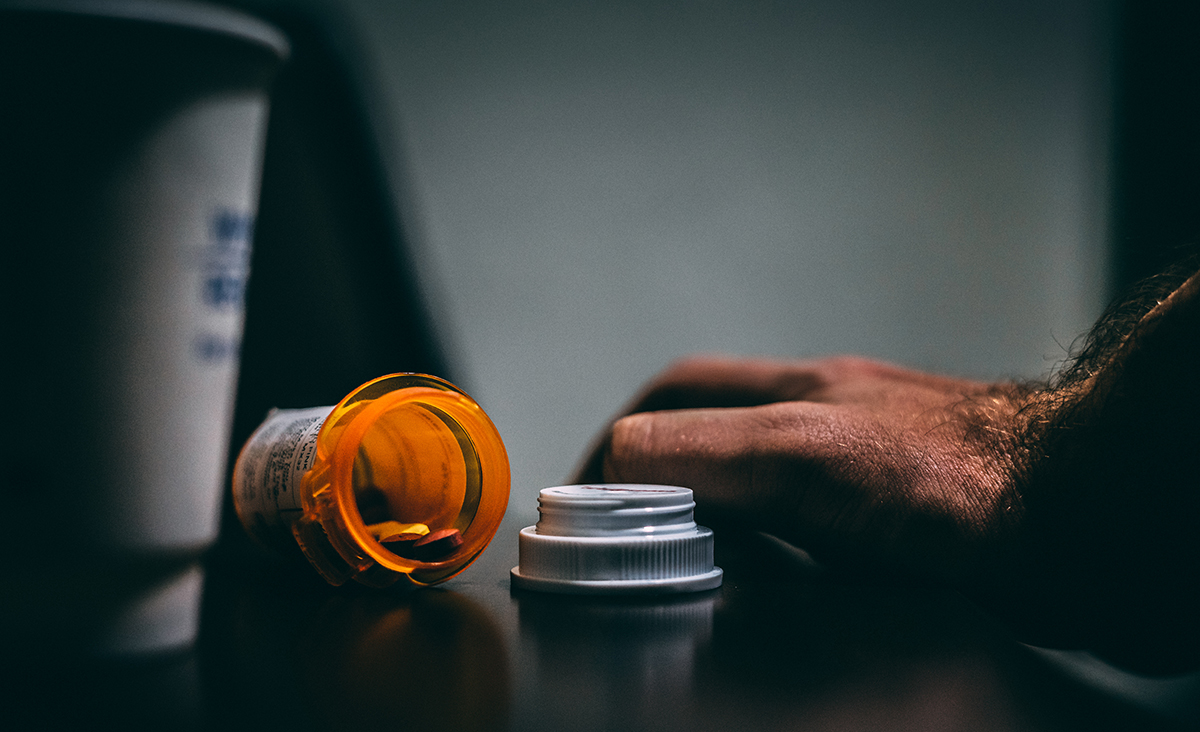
(782, 645)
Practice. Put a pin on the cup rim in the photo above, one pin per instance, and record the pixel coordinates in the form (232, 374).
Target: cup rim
(180, 13)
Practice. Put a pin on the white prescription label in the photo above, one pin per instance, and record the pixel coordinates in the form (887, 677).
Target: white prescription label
(266, 483)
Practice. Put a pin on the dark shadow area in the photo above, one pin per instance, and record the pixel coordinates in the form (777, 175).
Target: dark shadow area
(333, 300)
(1156, 149)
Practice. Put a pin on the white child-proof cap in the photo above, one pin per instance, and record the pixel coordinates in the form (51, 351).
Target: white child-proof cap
(616, 539)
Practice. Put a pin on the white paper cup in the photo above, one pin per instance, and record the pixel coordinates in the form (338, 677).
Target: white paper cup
(131, 143)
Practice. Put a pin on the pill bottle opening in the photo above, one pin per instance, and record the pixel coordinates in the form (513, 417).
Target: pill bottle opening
(419, 475)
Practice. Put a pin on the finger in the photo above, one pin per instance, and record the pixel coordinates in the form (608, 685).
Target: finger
(709, 381)
(830, 479)
(705, 382)
(702, 382)
(771, 465)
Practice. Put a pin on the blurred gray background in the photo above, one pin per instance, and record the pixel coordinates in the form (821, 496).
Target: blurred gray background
(590, 190)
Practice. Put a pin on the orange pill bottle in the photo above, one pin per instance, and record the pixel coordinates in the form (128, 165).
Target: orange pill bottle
(406, 478)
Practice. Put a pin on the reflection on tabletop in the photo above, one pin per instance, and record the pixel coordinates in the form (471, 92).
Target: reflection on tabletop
(781, 645)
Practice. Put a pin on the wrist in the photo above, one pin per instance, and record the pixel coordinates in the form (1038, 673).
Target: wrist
(1107, 554)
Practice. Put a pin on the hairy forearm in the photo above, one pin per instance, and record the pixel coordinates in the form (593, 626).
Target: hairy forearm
(1110, 551)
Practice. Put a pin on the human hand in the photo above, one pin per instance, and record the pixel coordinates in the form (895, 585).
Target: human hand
(861, 463)
(1069, 509)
